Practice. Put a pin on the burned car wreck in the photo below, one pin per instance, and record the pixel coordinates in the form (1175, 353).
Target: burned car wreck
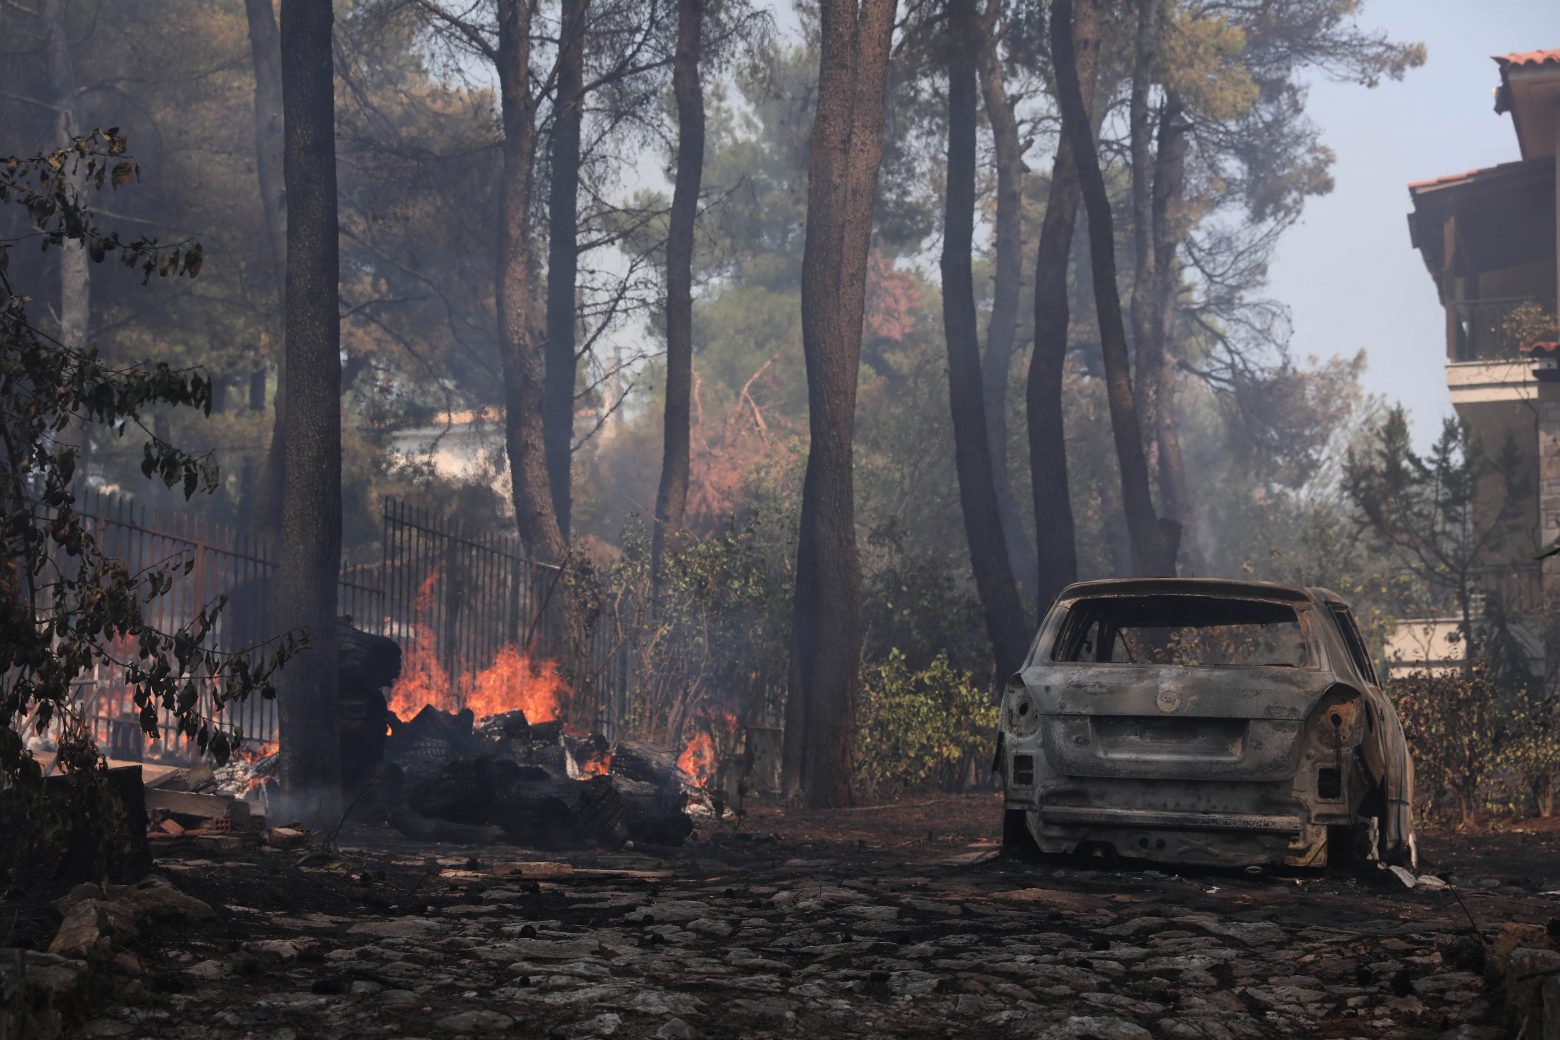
(1204, 722)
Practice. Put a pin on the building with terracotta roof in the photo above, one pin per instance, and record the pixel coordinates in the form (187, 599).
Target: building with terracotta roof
(1489, 239)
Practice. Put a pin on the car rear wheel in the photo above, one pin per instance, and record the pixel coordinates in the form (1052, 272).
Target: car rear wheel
(1017, 842)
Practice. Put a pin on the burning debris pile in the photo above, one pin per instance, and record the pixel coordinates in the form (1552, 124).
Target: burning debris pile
(516, 772)
(504, 778)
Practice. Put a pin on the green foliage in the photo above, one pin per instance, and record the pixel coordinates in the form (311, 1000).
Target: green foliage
(1445, 516)
(917, 729)
(1458, 726)
(1529, 323)
(65, 604)
(1532, 754)
(714, 638)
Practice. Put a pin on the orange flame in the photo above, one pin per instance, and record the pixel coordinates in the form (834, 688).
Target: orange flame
(515, 681)
(512, 681)
(601, 765)
(698, 759)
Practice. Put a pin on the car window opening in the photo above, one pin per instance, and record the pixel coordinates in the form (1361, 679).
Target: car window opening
(1187, 631)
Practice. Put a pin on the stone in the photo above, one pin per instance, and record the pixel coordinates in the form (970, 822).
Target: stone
(1550, 998)
(676, 1029)
(92, 927)
(1527, 972)
(207, 970)
(400, 928)
(1090, 1027)
(602, 1025)
(1513, 936)
(157, 897)
(475, 1022)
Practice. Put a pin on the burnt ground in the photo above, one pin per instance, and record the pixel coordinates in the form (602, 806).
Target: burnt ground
(893, 920)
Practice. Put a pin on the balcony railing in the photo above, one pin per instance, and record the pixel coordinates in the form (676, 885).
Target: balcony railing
(1481, 329)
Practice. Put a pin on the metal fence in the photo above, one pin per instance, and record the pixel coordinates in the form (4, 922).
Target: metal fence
(453, 599)
(223, 562)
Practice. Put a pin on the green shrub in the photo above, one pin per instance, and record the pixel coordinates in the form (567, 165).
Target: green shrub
(919, 729)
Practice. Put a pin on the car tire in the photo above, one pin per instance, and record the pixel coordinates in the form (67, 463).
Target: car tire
(1349, 844)
(1017, 842)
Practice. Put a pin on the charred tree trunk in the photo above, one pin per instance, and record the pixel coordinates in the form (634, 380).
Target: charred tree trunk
(846, 151)
(265, 54)
(1002, 330)
(75, 284)
(563, 260)
(1169, 229)
(1154, 542)
(1148, 349)
(1006, 625)
(671, 498)
(520, 352)
(311, 500)
(1055, 534)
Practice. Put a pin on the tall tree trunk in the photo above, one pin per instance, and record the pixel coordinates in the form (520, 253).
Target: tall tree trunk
(1002, 329)
(265, 54)
(75, 278)
(1154, 542)
(846, 151)
(563, 260)
(1148, 350)
(1006, 625)
(671, 500)
(520, 352)
(1169, 230)
(1055, 535)
(311, 500)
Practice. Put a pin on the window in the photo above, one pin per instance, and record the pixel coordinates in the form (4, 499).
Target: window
(1355, 643)
(1188, 631)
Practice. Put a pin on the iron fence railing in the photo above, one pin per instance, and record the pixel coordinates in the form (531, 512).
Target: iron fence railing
(1482, 330)
(453, 599)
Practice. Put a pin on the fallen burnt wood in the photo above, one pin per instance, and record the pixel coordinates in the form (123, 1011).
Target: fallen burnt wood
(430, 741)
(647, 764)
(530, 806)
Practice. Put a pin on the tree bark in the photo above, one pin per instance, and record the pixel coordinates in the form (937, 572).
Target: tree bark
(671, 498)
(1154, 542)
(75, 278)
(265, 55)
(563, 260)
(311, 501)
(1055, 534)
(1169, 229)
(520, 352)
(1148, 349)
(846, 151)
(1006, 625)
(1002, 329)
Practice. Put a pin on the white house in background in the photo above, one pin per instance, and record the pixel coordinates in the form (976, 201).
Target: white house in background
(466, 447)
(1489, 239)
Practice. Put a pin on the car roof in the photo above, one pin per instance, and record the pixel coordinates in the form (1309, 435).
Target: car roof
(1226, 587)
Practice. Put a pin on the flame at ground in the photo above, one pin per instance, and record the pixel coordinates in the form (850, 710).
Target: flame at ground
(601, 765)
(698, 759)
(514, 681)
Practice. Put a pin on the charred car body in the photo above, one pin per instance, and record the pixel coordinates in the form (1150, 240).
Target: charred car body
(1209, 722)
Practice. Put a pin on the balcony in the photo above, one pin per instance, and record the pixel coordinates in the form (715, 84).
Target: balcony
(1485, 330)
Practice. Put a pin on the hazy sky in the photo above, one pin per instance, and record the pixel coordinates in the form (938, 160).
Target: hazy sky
(1348, 273)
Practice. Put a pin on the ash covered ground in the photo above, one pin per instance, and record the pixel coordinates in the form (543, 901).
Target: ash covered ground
(876, 921)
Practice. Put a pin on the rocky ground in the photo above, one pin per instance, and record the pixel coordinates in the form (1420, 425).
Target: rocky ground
(895, 921)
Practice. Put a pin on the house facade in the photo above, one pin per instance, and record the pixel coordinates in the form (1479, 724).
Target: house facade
(1489, 239)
